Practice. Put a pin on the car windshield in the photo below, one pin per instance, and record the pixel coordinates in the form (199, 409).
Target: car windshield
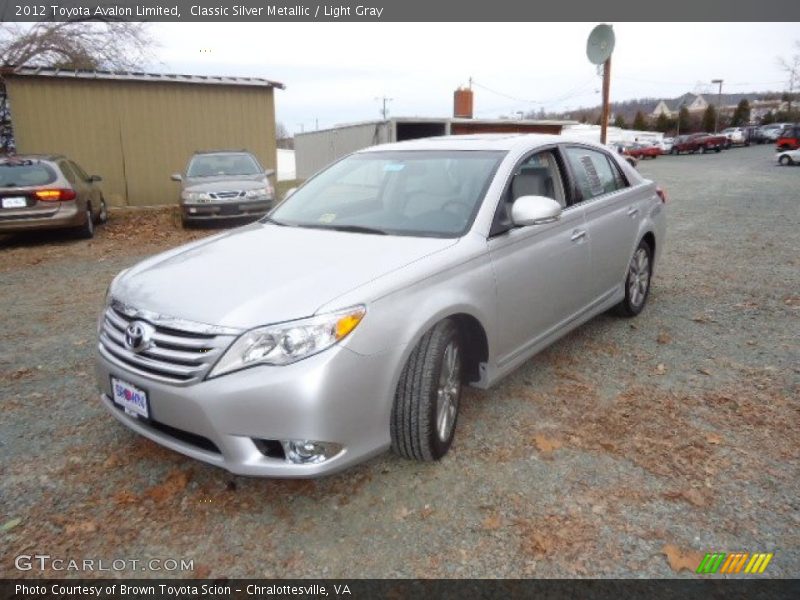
(25, 174)
(222, 165)
(421, 193)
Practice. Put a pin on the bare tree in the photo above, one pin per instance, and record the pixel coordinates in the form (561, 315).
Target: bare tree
(792, 67)
(114, 46)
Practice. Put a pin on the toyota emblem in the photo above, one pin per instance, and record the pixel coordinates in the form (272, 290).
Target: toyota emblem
(138, 336)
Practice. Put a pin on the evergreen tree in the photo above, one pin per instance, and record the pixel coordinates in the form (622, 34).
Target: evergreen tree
(709, 118)
(684, 122)
(741, 115)
(619, 121)
(639, 122)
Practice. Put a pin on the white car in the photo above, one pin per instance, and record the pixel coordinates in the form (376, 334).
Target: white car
(735, 135)
(665, 145)
(772, 131)
(788, 157)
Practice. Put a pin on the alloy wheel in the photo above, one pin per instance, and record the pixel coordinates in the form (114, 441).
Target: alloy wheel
(448, 391)
(639, 277)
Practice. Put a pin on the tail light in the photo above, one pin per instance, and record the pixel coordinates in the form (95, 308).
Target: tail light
(270, 189)
(55, 195)
(661, 194)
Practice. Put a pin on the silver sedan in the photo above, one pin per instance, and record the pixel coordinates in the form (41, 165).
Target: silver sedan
(347, 321)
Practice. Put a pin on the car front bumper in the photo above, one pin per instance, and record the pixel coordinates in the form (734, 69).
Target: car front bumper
(337, 396)
(212, 211)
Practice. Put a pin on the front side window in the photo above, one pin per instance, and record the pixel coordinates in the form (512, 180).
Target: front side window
(594, 173)
(425, 193)
(223, 165)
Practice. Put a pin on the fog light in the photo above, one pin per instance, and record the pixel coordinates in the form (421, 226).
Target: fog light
(305, 452)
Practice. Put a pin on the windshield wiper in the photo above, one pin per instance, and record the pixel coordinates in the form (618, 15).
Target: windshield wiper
(274, 222)
(352, 228)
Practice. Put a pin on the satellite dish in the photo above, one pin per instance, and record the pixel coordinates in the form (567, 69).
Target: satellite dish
(600, 44)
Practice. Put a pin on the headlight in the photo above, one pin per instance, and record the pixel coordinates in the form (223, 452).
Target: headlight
(195, 197)
(257, 193)
(289, 342)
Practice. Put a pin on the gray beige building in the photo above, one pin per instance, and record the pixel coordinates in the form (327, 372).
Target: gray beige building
(135, 129)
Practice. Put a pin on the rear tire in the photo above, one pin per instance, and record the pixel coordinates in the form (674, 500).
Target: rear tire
(427, 398)
(637, 282)
(86, 231)
(785, 161)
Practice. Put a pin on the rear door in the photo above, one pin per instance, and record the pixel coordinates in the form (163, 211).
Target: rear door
(612, 211)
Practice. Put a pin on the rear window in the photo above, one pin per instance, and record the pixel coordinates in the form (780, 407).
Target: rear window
(25, 174)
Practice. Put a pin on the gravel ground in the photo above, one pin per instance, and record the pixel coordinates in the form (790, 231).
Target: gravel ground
(629, 448)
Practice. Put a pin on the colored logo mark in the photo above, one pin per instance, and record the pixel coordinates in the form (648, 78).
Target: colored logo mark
(737, 562)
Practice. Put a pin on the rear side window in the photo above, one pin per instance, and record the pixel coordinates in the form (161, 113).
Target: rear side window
(25, 174)
(594, 173)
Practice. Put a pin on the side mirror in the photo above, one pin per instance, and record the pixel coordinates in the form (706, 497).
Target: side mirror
(534, 210)
(95, 178)
(269, 172)
(289, 192)
(176, 177)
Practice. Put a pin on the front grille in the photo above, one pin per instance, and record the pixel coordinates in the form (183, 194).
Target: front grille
(226, 195)
(180, 353)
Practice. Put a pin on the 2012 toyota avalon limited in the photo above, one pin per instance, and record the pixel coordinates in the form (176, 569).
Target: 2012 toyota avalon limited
(347, 320)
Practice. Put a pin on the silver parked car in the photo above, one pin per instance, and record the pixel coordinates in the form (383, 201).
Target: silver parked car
(224, 185)
(347, 321)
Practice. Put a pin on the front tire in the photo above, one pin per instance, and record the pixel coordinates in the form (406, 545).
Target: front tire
(427, 398)
(637, 281)
(785, 161)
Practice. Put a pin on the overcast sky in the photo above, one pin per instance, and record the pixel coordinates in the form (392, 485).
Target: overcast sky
(335, 71)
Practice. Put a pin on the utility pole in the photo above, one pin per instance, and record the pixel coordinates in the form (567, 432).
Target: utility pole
(719, 103)
(385, 110)
(606, 108)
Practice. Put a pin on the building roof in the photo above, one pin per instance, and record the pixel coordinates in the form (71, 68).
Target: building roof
(31, 71)
(444, 120)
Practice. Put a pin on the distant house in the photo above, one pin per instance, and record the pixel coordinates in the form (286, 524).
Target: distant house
(697, 103)
(694, 103)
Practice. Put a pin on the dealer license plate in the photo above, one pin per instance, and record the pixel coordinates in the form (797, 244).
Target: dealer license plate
(130, 398)
(15, 202)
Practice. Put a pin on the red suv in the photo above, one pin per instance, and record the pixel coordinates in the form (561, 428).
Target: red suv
(789, 138)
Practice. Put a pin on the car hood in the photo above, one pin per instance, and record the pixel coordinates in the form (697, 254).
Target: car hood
(264, 273)
(223, 184)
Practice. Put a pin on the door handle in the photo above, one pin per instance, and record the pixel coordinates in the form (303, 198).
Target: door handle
(578, 234)
(633, 211)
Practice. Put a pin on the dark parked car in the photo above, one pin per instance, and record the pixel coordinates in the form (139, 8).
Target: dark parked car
(224, 185)
(49, 192)
(699, 142)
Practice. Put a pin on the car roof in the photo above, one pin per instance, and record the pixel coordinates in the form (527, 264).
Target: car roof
(20, 157)
(204, 152)
(483, 141)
